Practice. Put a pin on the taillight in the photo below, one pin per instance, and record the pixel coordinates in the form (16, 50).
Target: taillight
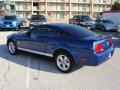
(99, 47)
(110, 42)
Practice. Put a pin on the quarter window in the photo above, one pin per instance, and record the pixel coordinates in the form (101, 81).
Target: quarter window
(62, 34)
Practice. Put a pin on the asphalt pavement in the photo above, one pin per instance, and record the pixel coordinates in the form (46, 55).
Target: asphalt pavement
(27, 71)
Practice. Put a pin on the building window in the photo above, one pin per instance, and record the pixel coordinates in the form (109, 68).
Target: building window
(58, 15)
(104, 1)
(83, 0)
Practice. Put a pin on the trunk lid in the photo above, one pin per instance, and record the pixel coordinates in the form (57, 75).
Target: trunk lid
(105, 41)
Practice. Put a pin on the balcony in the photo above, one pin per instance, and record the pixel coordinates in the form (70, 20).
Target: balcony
(22, 0)
(107, 2)
(39, 0)
(80, 1)
(82, 9)
(38, 8)
(58, 1)
(58, 9)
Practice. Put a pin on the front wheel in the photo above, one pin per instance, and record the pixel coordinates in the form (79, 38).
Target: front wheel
(17, 28)
(64, 62)
(12, 47)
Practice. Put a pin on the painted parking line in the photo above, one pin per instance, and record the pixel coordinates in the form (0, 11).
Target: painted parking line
(28, 74)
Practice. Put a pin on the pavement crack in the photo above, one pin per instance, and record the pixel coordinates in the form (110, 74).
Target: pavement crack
(5, 76)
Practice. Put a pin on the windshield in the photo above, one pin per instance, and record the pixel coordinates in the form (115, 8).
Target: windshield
(86, 18)
(10, 17)
(38, 17)
(107, 21)
(81, 32)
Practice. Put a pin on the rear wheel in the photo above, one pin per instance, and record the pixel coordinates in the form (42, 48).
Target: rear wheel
(103, 29)
(12, 48)
(64, 62)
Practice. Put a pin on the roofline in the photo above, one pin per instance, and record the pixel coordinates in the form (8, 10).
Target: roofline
(112, 11)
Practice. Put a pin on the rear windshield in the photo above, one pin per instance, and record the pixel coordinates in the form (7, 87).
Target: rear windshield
(80, 32)
(107, 21)
(38, 17)
(86, 18)
(10, 17)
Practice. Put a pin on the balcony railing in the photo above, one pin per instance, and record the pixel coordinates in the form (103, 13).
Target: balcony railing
(38, 8)
(38, 0)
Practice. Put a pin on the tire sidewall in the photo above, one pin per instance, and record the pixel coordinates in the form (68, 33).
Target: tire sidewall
(70, 60)
(103, 29)
(16, 51)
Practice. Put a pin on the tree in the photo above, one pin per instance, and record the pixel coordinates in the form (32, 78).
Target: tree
(116, 6)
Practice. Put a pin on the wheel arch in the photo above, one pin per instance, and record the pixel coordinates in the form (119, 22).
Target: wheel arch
(63, 50)
(10, 40)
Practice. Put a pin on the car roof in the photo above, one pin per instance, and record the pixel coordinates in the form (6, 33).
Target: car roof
(37, 15)
(74, 30)
(63, 26)
(9, 15)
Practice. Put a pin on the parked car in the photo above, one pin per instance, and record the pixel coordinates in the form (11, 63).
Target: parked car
(24, 21)
(82, 20)
(70, 45)
(105, 25)
(36, 20)
(10, 22)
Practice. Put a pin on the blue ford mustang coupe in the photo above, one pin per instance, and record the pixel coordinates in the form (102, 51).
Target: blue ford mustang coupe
(69, 45)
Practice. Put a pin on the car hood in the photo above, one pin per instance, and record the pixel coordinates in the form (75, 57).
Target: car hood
(89, 22)
(9, 20)
(15, 35)
(109, 24)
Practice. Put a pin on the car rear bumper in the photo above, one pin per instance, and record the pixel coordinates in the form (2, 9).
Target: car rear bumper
(95, 59)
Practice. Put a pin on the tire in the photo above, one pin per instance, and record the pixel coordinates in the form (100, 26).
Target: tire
(23, 23)
(17, 28)
(64, 65)
(12, 48)
(103, 29)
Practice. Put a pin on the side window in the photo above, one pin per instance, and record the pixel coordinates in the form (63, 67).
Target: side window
(98, 21)
(62, 34)
(78, 17)
(42, 32)
(35, 32)
(47, 32)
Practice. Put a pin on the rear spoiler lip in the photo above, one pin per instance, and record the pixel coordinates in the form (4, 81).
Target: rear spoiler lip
(100, 41)
(105, 37)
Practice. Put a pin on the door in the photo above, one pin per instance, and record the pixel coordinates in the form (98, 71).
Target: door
(34, 41)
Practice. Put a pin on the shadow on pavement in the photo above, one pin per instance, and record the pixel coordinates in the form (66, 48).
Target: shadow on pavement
(37, 62)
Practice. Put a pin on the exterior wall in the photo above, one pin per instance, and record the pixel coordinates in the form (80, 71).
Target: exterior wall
(61, 10)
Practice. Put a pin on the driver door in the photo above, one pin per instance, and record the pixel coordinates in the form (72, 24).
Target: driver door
(34, 41)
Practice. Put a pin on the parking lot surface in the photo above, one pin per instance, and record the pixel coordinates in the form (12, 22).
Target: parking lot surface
(27, 71)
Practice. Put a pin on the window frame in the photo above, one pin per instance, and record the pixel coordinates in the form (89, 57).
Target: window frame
(45, 35)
